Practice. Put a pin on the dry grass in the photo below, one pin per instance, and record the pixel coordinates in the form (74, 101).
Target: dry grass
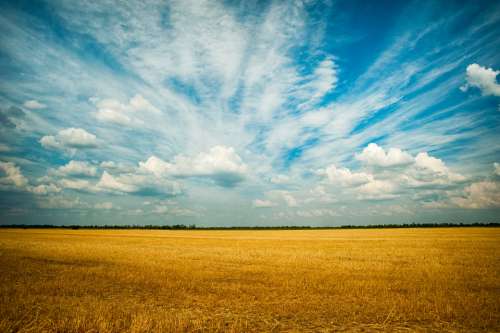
(316, 280)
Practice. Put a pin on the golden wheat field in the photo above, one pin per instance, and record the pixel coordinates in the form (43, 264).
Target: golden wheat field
(439, 279)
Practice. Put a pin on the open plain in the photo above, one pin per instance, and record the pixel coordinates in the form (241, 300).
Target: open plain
(439, 279)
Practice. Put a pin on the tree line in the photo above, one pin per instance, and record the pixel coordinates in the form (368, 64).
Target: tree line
(194, 227)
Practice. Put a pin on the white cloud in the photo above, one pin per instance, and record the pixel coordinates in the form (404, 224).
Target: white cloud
(317, 212)
(61, 202)
(319, 193)
(220, 163)
(108, 182)
(482, 78)
(44, 189)
(112, 116)
(104, 205)
(344, 176)
(129, 114)
(77, 168)
(284, 196)
(13, 175)
(377, 156)
(34, 105)
(172, 210)
(121, 167)
(258, 203)
(323, 80)
(377, 190)
(78, 185)
(138, 184)
(485, 194)
(70, 138)
(432, 166)
(139, 103)
(280, 179)
(290, 200)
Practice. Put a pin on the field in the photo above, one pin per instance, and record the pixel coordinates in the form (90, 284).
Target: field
(439, 279)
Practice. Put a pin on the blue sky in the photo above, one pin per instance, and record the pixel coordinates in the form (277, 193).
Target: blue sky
(249, 113)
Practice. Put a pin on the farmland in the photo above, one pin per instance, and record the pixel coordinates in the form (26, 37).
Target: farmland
(440, 279)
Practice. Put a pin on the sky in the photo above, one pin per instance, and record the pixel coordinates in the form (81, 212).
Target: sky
(249, 113)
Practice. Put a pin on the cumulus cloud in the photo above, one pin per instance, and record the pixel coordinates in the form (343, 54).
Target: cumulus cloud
(78, 185)
(483, 78)
(114, 166)
(377, 190)
(112, 116)
(260, 203)
(44, 189)
(375, 155)
(76, 168)
(13, 175)
(485, 194)
(127, 114)
(344, 176)
(70, 138)
(434, 169)
(108, 182)
(220, 163)
(284, 196)
(34, 105)
(138, 184)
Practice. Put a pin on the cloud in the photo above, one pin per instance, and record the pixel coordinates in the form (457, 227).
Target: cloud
(323, 80)
(176, 211)
(344, 176)
(280, 179)
(34, 105)
(61, 202)
(4, 148)
(377, 156)
(70, 138)
(108, 182)
(318, 212)
(290, 200)
(9, 117)
(78, 185)
(13, 175)
(44, 189)
(138, 184)
(128, 114)
(484, 194)
(377, 190)
(258, 203)
(432, 166)
(220, 163)
(482, 78)
(284, 196)
(112, 116)
(104, 205)
(118, 167)
(76, 168)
